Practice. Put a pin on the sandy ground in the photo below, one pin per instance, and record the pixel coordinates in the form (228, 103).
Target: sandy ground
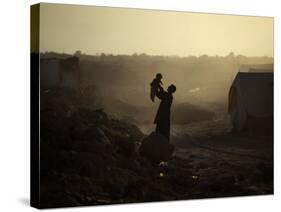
(216, 155)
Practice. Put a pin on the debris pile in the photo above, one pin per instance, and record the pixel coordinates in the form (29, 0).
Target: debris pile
(89, 158)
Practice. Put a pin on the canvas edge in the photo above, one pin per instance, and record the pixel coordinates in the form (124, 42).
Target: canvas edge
(34, 106)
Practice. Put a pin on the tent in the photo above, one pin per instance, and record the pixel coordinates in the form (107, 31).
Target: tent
(251, 102)
(50, 72)
(55, 72)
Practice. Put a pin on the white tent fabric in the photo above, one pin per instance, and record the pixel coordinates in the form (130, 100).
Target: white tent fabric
(251, 94)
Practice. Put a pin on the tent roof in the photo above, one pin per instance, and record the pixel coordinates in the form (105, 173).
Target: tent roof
(256, 68)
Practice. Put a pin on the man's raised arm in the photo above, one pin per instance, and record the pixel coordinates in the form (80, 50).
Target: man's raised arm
(160, 93)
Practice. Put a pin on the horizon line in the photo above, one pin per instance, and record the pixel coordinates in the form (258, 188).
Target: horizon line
(154, 55)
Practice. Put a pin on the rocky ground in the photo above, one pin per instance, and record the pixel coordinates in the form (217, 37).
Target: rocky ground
(90, 158)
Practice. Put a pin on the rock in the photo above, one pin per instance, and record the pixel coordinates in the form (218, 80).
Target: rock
(101, 137)
(156, 148)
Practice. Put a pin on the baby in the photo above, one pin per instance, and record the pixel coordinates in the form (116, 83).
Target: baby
(155, 86)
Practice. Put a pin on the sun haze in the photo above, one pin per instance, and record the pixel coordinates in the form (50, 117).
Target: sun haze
(94, 30)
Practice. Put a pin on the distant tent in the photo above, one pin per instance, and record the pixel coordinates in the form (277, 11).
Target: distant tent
(251, 102)
(55, 72)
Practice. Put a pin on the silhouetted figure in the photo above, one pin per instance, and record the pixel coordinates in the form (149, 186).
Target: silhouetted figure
(162, 119)
(155, 86)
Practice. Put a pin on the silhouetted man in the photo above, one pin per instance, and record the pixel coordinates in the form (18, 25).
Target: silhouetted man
(162, 119)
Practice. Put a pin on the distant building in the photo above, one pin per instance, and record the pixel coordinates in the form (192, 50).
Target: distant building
(56, 72)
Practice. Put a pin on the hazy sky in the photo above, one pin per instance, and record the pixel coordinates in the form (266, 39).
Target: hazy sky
(67, 28)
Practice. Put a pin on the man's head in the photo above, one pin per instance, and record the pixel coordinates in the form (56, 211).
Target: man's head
(159, 76)
(172, 89)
